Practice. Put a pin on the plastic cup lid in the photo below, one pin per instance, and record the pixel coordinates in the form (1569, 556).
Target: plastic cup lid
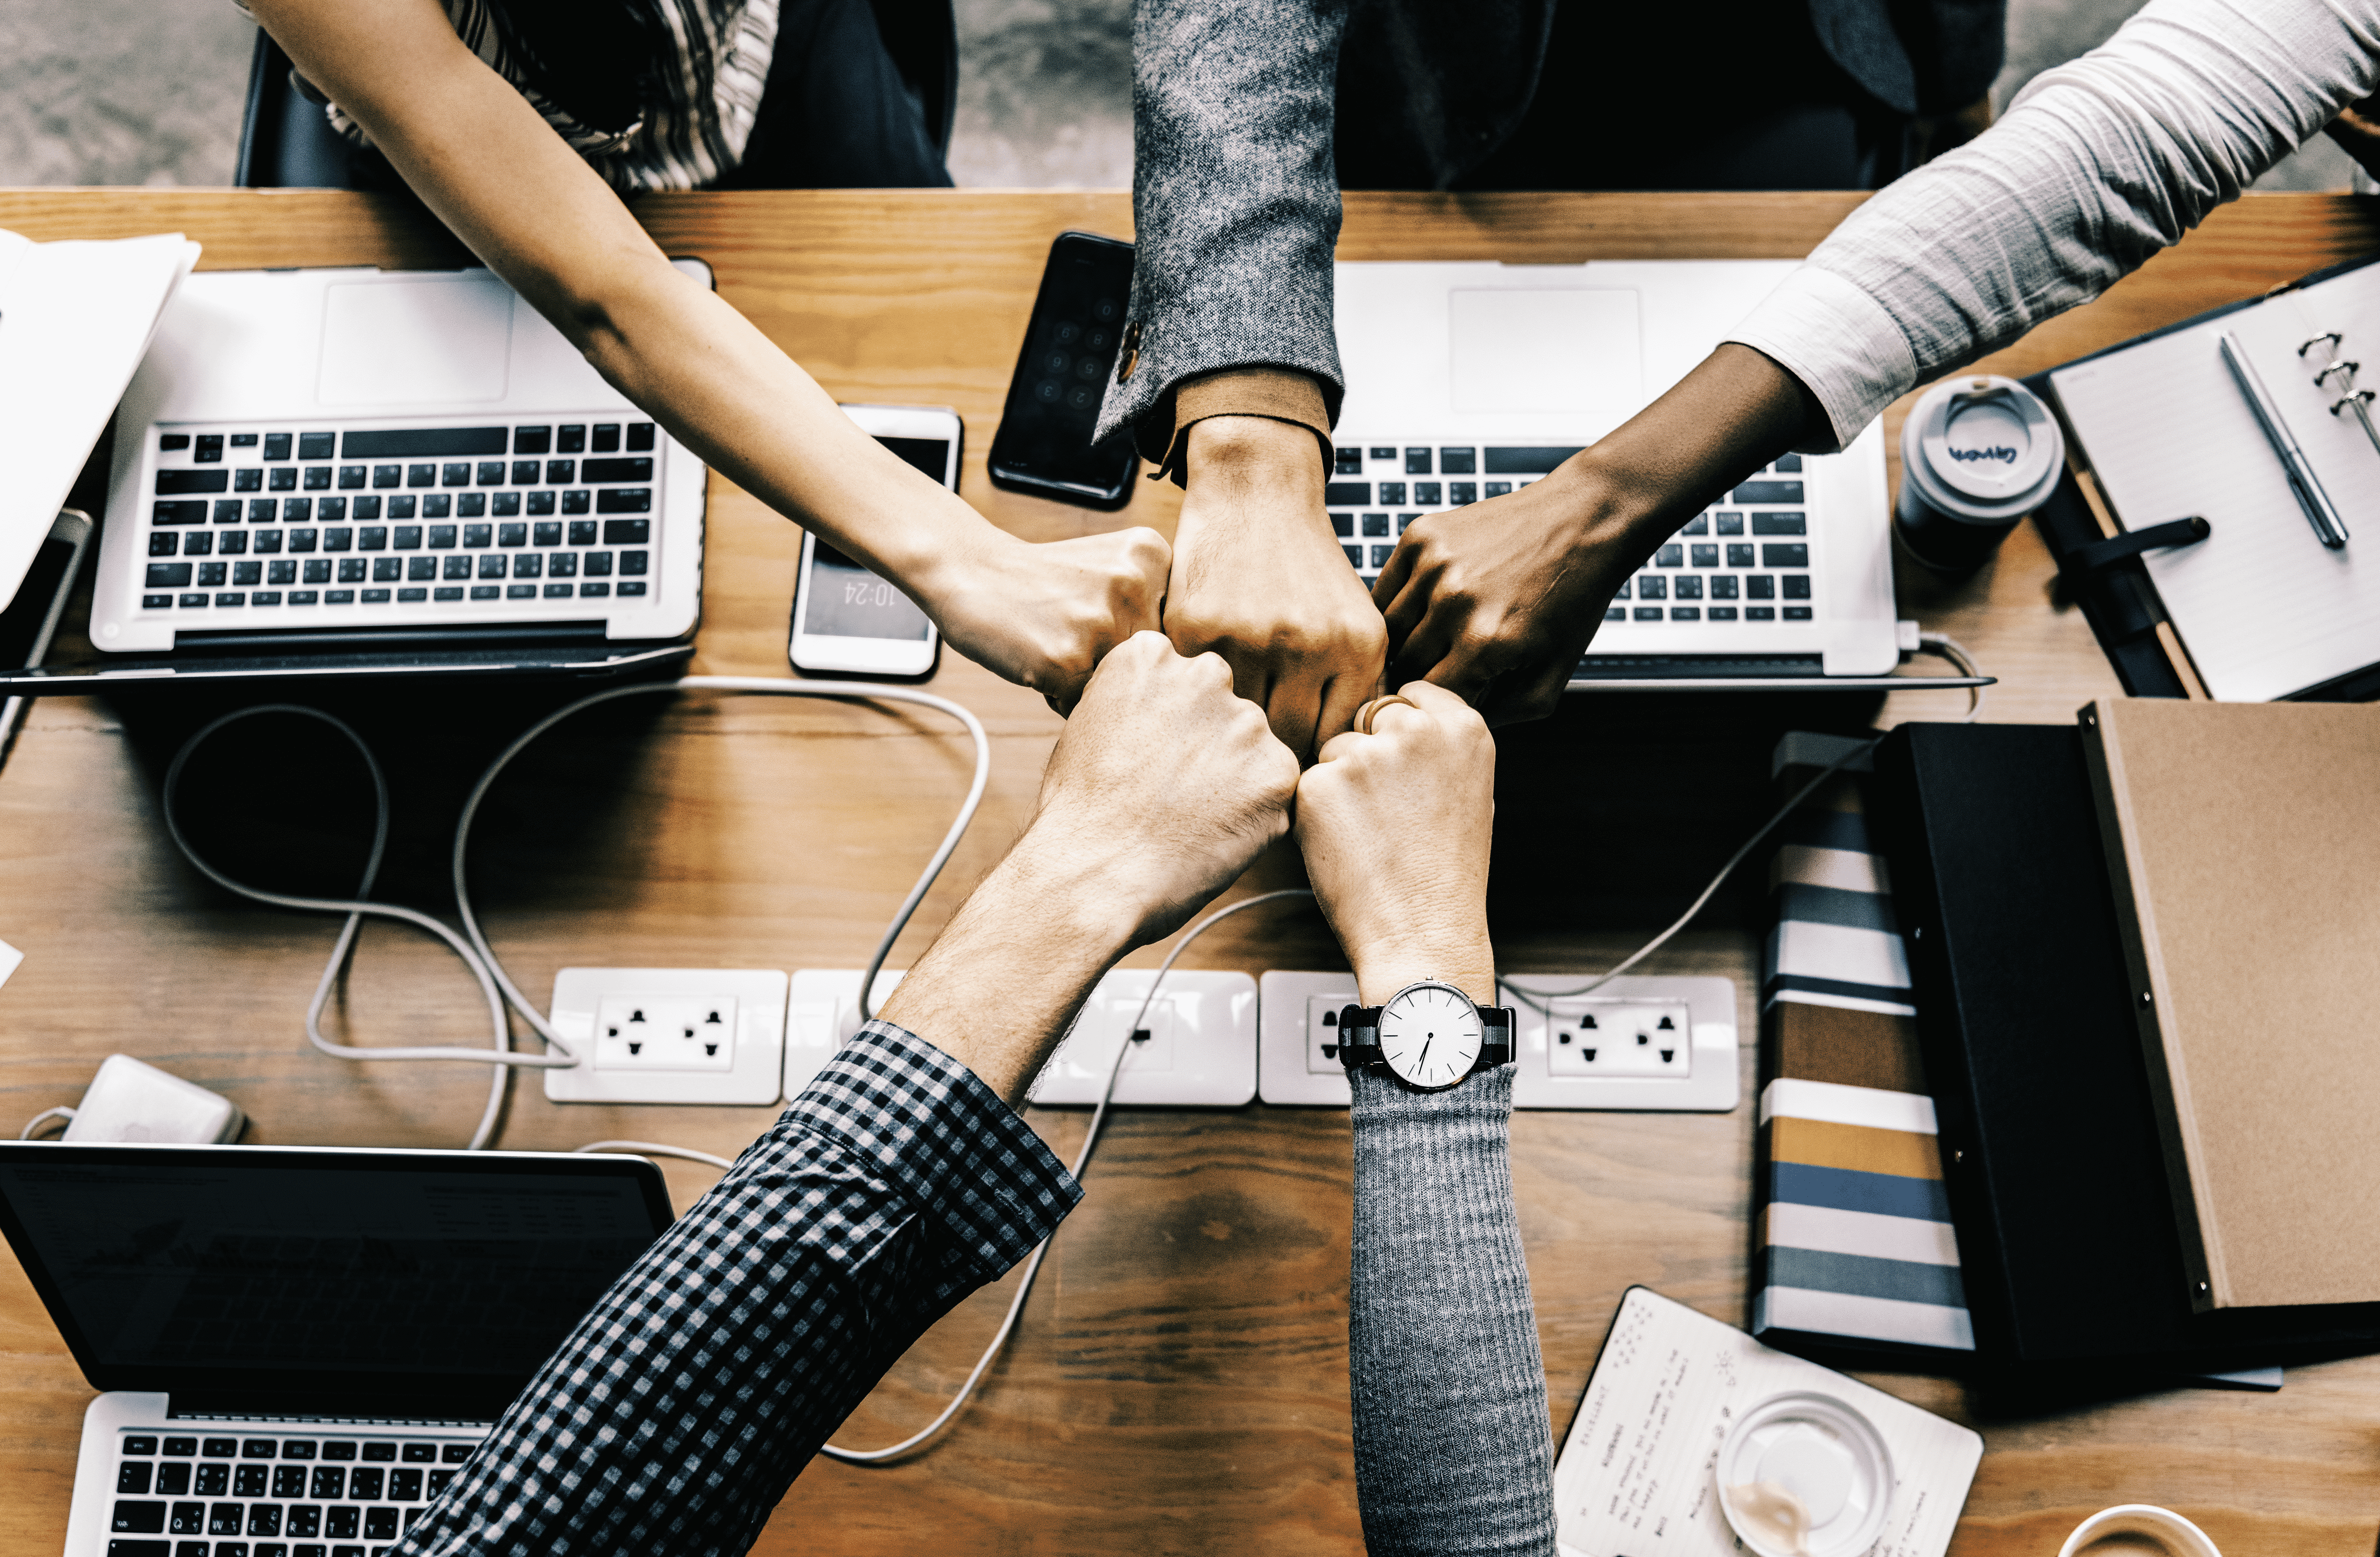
(1979, 441)
(1809, 1462)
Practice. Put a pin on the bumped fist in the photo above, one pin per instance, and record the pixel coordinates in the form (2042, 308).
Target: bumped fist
(1163, 788)
(1258, 577)
(1395, 827)
(1043, 615)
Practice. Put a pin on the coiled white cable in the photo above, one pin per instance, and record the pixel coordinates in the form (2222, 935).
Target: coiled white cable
(1081, 1159)
(476, 953)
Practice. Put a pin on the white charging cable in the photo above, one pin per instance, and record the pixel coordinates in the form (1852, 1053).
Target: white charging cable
(1082, 1161)
(1540, 1001)
(475, 951)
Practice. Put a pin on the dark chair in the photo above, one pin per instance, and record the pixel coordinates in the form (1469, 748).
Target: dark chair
(922, 36)
(284, 143)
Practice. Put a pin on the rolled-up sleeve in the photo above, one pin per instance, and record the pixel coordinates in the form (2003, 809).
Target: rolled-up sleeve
(683, 1405)
(2098, 165)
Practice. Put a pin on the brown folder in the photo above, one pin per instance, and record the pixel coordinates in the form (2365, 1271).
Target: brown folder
(2243, 842)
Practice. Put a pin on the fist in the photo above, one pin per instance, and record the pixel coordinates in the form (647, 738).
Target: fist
(1044, 616)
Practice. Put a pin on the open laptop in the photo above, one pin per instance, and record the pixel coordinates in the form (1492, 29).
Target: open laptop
(356, 471)
(1467, 380)
(299, 1345)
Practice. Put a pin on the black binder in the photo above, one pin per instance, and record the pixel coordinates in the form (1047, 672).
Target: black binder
(2051, 1157)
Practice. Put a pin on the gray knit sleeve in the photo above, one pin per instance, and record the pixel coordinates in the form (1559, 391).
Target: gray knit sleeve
(1454, 1443)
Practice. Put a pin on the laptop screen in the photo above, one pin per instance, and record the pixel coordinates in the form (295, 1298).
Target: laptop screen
(434, 1281)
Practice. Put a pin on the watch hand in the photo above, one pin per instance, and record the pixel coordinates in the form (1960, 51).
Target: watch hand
(1425, 1052)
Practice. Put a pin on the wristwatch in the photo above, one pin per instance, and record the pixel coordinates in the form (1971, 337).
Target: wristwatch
(1429, 1036)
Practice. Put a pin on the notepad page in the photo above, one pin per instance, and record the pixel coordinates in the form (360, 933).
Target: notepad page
(2264, 608)
(1638, 1474)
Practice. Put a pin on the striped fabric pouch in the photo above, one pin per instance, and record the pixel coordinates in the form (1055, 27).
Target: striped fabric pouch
(1852, 1248)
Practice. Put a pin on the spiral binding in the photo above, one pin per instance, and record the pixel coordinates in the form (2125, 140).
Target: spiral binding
(2338, 376)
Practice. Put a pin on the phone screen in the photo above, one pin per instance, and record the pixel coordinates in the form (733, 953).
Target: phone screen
(845, 600)
(1071, 347)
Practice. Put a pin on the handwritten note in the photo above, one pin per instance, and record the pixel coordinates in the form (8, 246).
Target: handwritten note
(1637, 1476)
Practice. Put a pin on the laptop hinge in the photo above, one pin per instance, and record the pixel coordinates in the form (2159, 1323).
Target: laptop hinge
(344, 640)
(1687, 667)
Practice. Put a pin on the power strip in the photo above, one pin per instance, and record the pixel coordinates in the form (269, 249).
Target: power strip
(1654, 1044)
(1201, 1052)
(670, 1035)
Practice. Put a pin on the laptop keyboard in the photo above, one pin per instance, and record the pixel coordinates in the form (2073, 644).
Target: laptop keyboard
(212, 1496)
(247, 519)
(1745, 559)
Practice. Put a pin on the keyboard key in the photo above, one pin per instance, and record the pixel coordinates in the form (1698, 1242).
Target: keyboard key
(1649, 614)
(247, 478)
(1535, 461)
(407, 537)
(458, 567)
(401, 507)
(193, 602)
(1727, 524)
(562, 564)
(1404, 519)
(442, 537)
(388, 475)
(436, 506)
(1427, 491)
(411, 596)
(1499, 489)
(182, 1446)
(1457, 462)
(1614, 614)
(181, 484)
(560, 472)
(264, 1519)
(1780, 524)
(550, 534)
(352, 477)
(169, 442)
(1652, 586)
(201, 543)
(372, 537)
(1687, 587)
(530, 565)
(385, 570)
(471, 504)
(304, 1520)
(491, 472)
(1785, 553)
(1416, 462)
(597, 591)
(421, 475)
(420, 570)
(527, 472)
(1671, 555)
(520, 591)
(1767, 492)
(380, 1524)
(570, 438)
(540, 502)
(456, 473)
(228, 511)
(263, 510)
(638, 500)
(156, 602)
(338, 539)
(226, 1520)
(1379, 559)
(281, 573)
(632, 564)
(1393, 493)
(594, 473)
(132, 1476)
(139, 1518)
(641, 436)
(331, 510)
(351, 570)
(284, 480)
(479, 535)
(1789, 464)
(1739, 555)
(1341, 524)
(1704, 556)
(141, 1443)
(1722, 586)
(1723, 613)
(582, 532)
(245, 573)
(557, 591)
(1622, 593)
(1760, 586)
(606, 439)
(1346, 462)
(318, 571)
(531, 439)
(597, 565)
(1346, 494)
(1461, 493)
(1374, 524)
(338, 597)
(492, 565)
(1797, 586)
(1685, 613)
(506, 503)
(211, 575)
(363, 508)
(193, 513)
(318, 446)
(318, 478)
(632, 587)
(447, 593)
(302, 597)
(1698, 525)
(340, 1523)
(1797, 613)
(208, 450)
(375, 597)
(266, 596)
(571, 503)
(276, 445)
(487, 592)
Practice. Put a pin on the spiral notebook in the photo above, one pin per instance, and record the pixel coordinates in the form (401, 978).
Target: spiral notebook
(2263, 609)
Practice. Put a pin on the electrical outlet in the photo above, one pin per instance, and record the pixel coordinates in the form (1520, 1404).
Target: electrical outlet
(822, 1013)
(1200, 1051)
(1297, 1036)
(669, 1035)
(1638, 1042)
(1690, 1064)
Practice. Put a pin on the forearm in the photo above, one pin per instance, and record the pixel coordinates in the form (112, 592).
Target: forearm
(2098, 165)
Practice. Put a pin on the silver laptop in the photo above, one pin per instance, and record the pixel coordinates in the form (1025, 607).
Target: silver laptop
(299, 1346)
(1467, 380)
(376, 471)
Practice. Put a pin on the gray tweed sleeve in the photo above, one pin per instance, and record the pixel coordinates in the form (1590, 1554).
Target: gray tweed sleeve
(1235, 198)
(1453, 1443)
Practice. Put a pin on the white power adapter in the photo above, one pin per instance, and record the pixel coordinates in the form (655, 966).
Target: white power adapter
(131, 1102)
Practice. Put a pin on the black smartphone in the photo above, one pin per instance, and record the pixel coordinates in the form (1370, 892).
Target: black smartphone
(1044, 443)
(27, 618)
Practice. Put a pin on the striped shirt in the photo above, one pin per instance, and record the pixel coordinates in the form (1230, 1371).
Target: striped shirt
(676, 1416)
(709, 92)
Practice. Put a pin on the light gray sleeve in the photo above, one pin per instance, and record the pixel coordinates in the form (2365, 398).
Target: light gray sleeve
(1454, 1443)
(1235, 198)
(2098, 165)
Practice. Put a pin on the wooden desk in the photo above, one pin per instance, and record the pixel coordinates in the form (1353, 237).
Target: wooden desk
(1179, 1382)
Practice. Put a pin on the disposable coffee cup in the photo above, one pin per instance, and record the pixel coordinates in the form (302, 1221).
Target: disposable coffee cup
(2137, 1530)
(1804, 1475)
(1978, 453)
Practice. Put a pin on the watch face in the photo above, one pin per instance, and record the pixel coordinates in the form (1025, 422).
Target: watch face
(1430, 1035)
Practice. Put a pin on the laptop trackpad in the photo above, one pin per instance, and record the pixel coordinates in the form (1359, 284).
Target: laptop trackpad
(1525, 349)
(392, 342)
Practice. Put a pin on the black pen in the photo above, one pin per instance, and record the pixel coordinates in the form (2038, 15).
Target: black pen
(2329, 528)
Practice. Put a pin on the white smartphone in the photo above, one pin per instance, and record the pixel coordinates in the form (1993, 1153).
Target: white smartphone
(846, 620)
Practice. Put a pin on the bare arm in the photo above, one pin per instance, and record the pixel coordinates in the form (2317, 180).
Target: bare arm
(488, 165)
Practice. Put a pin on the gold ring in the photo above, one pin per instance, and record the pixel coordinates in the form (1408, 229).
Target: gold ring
(1371, 711)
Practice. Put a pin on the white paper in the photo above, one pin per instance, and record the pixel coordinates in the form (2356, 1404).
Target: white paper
(2264, 608)
(75, 321)
(9, 958)
(1638, 1478)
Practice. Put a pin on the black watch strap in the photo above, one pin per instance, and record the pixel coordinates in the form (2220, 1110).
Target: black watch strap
(1359, 1037)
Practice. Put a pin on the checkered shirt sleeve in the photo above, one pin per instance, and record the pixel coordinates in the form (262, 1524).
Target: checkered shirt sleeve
(684, 1404)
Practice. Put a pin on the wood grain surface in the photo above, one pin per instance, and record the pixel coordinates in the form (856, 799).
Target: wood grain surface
(1178, 1381)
